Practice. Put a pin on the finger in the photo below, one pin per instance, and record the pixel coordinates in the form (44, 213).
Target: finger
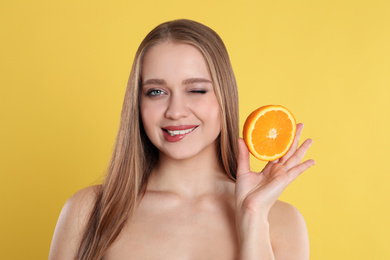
(299, 154)
(243, 158)
(294, 146)
(274, 161)
(299, 169)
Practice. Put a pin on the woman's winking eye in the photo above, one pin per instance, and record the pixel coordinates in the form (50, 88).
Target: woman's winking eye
(199, 91)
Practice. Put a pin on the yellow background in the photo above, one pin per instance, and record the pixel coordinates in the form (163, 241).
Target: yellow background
(63, 71)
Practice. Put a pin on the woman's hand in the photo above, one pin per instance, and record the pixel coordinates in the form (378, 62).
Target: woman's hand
(257, 192)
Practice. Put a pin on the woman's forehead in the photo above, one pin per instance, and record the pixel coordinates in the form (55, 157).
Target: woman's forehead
(174, 60)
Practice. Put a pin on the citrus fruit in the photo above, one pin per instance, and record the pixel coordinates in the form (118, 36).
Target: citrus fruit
(269, 132)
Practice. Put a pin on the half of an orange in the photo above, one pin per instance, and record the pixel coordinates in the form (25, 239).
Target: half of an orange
(269, 132)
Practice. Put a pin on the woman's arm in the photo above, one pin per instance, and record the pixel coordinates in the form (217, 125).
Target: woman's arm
(265, 226)
(255, 240)
(282, 236)
(71, 224)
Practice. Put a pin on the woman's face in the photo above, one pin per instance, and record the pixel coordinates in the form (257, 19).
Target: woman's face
(179, 109)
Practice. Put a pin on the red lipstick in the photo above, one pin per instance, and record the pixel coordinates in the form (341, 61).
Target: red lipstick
(179, 127)
(176, 133)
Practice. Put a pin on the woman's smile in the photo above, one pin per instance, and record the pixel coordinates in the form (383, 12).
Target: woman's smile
(177, 133)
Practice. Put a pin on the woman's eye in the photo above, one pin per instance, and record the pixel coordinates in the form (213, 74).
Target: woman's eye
(198, 91)
(154, 92)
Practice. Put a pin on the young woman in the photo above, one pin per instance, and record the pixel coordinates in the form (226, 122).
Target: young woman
(179, 185)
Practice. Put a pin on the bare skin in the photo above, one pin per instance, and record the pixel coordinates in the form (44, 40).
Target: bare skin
(184, 215)
(190, 208)
(185, 224)
(167, 226)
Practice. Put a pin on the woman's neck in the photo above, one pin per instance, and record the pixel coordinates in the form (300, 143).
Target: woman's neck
(189, 178)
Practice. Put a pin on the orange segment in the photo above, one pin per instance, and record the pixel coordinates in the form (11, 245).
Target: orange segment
(269, 132)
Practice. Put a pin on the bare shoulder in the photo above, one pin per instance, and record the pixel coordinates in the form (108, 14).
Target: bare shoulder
(288, 232)
(71, 223)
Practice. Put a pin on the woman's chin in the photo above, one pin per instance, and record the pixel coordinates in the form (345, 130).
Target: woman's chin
(179, 154)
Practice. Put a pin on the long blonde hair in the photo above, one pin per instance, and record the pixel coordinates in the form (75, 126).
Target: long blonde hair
(134, 155)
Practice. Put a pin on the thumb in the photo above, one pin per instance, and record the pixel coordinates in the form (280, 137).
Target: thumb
(243, 158)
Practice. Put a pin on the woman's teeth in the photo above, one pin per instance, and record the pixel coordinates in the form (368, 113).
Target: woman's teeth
(179, 132)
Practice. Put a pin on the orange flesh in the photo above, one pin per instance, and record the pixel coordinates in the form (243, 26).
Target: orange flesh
(276, 122)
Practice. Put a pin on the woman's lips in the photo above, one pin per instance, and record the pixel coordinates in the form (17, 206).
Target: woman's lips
(176, 133)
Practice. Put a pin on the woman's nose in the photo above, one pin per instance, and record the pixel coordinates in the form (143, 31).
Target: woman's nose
(177, 108)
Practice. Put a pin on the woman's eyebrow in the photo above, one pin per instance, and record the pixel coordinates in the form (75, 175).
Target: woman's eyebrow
(154, 82)
(196, 80)
(185, 82)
